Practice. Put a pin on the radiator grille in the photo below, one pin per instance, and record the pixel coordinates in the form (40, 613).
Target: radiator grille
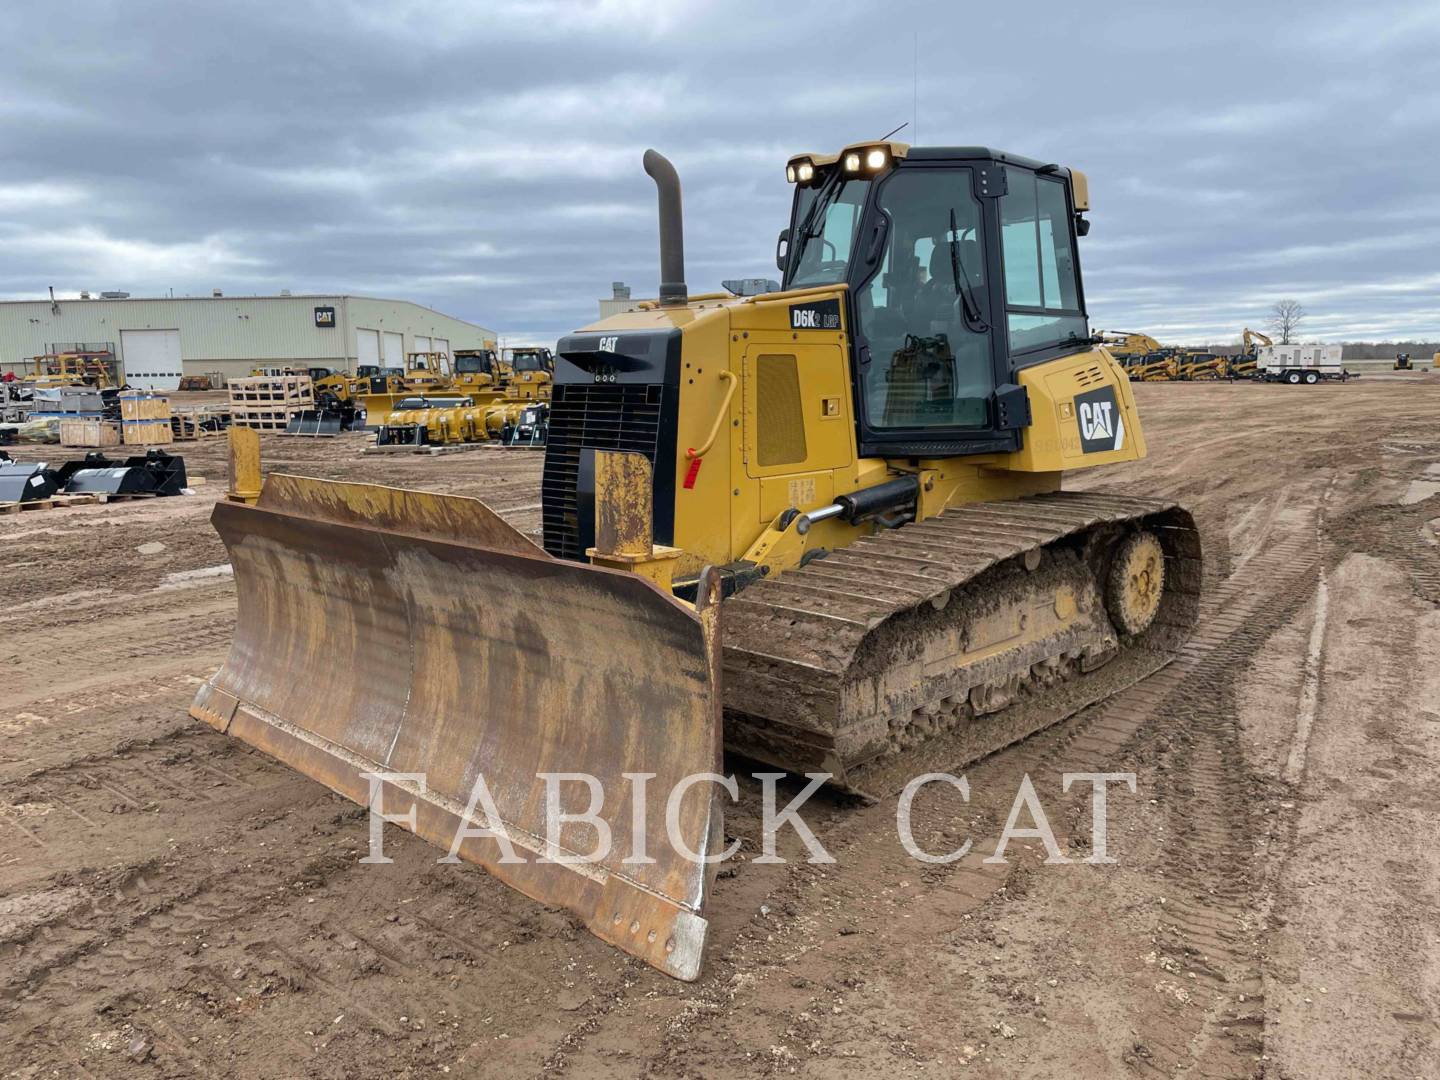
(1090, 376)
(597, 417)
(779, 415)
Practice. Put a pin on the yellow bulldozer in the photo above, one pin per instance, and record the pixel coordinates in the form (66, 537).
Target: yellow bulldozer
(478, 370)
(824, 528)
(528, 375)
(531, 372)
(94, 369)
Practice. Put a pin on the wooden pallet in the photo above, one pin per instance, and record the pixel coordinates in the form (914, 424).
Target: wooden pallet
(263, 419)
(430, 451)
(59, 502)
(314, 434)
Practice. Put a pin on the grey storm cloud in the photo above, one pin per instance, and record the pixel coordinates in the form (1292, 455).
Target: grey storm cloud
(484, 158)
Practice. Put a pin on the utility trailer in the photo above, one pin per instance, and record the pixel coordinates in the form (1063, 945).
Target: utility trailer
(1296, 364)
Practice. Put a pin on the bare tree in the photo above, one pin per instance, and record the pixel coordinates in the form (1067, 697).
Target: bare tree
(1285, 319)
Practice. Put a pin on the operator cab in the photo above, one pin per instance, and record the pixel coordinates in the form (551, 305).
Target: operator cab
(532, 360)
(474, 362)
(960, 269)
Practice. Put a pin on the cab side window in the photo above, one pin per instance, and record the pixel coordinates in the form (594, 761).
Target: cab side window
(1042, 288)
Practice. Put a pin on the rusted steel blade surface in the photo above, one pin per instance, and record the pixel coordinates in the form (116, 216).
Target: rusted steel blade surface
(382, 630)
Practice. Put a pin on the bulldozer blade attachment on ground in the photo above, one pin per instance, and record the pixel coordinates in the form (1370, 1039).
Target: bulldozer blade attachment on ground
(383, 632)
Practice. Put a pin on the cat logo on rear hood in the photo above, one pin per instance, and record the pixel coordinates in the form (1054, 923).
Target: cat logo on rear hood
(1098, 415)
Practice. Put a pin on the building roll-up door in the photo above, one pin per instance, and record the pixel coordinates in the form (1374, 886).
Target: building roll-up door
(442, 345)
(422, 344)
(394, 350)
(367, 347)
(151, 359)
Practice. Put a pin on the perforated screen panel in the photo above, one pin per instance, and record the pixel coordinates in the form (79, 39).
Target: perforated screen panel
(779, 411)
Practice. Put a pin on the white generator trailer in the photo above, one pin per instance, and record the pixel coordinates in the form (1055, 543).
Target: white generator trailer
(1296, 364)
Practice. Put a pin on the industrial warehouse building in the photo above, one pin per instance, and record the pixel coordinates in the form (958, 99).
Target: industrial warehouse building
(156, 341)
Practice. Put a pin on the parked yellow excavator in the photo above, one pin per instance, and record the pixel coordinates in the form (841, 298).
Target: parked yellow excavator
(1247, 364)
(1126, 345)
(823, 527)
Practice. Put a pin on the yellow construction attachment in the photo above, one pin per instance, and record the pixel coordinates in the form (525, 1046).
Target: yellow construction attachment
(383, 631)
(244, 462)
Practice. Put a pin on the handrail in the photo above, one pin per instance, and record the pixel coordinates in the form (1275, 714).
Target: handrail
(728, 376)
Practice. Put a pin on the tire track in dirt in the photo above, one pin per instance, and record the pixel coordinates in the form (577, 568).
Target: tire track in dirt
(1210, 939)
(1210, 929)
(177, 784)
(187, 631)
(168, 906)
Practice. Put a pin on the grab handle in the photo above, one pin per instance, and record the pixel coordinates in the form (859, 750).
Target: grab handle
(728, 376)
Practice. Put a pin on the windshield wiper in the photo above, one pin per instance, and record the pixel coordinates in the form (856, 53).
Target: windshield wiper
(822, 202)
(974, 321)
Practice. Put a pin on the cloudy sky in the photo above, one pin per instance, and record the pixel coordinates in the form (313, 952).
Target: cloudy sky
(484, 157)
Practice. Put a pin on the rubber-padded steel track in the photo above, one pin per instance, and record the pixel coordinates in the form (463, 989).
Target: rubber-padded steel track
(823, 665)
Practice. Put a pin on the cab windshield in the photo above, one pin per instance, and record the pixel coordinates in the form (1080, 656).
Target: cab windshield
(528, 361)
(473, 364)
(823, 237)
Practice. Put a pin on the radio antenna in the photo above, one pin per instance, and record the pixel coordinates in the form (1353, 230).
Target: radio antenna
(887, 135)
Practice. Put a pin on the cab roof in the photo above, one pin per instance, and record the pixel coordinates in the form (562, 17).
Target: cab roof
(1080, 185)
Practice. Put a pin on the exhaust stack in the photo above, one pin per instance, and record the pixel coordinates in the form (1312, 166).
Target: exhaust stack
(672, 229)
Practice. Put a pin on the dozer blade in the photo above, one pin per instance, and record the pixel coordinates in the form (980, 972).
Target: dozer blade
(390, 631)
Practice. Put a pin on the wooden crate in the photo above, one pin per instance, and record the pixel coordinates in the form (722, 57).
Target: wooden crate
(187, 425)
(272, 391)
(144, 405)
(262, 418)
(90, 433)
(145, 432)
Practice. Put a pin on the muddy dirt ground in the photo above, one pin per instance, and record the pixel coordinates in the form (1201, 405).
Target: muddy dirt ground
(173, 904)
